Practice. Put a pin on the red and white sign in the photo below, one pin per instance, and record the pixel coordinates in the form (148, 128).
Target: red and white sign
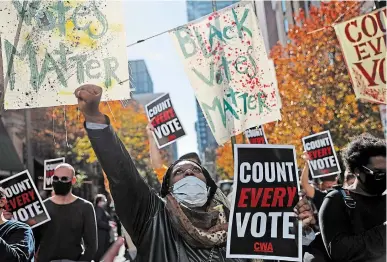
(363, 43)
(49, 168)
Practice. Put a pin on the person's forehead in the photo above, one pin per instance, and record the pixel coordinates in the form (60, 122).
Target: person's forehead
(378, 162)
(62, 171)
(185, 164)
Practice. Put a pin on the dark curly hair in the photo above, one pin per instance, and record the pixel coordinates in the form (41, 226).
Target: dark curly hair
(361, 149)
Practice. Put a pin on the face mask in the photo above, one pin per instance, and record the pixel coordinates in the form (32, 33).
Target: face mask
(374, 186)
(190, 191)
(60, 188)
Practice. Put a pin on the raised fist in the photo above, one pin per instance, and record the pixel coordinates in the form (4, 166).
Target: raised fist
(89, 97)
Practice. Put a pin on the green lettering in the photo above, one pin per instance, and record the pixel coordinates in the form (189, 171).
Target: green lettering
(233, 94)
(49, 65)
(61, 10)
(228, 107)
(226, 68)
(262, 102)
(206, 53)
(62, 52)
(244, 97)
(209, 82)
(215, 105)
(252, 100)
(252, 61)
(29, 12)
(110, 70)
(80, 68)
(214, 32)
(239, 61)
(225, 30)
(11, 52)
(90, 65)
(98, 14)
(184, 40)
(239, 24)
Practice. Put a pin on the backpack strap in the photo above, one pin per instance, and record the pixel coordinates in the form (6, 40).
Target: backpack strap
(348, 200)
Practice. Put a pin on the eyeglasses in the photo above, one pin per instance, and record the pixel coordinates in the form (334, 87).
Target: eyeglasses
(195, 170)
(378, 174)
(63, 179)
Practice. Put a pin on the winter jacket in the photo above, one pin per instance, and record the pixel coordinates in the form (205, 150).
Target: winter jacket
(141, 211)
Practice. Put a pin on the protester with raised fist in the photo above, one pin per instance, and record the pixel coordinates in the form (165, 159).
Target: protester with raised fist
(352, 220)
(188, 224)
(71, 234)
(16, 238)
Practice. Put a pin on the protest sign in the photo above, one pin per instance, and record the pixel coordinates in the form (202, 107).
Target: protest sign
(167, 125)
(256, 135)
(60, 46)
(49, 168)
(23, 200)
(363, 43)
(225, 59)
(322, 154)
(383, 118)
(262, 221)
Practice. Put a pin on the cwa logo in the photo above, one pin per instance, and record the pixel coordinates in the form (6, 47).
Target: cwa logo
(263, 247)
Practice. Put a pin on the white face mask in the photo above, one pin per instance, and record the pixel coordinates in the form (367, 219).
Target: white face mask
(190, 191)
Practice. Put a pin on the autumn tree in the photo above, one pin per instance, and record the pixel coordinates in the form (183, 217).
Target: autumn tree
(61, 130)
(314, 84)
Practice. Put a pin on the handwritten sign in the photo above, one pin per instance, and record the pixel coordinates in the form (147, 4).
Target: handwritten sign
(23, 200)
(61, 45)
(262, 220)
(49, 168)
(363, 43)
(225, 59)
(167, 126)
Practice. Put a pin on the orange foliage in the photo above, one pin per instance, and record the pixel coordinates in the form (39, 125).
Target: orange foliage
(315, 86)
(224, 158)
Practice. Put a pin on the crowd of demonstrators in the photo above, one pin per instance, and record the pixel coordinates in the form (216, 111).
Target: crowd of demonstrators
(353, 220)
(187, 222)
(16, 238)
(72, 232)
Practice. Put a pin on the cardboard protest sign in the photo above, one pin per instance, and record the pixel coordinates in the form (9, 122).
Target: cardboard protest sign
(383, 118)
(167, 125)
(62, 45)
(322, 154)
(23, 200)
(49, 168)
(256, 135)
(363, 43)
(225, 59)
(262, 223)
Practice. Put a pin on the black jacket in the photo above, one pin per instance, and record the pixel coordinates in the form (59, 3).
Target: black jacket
(357, 234)
(140, 210)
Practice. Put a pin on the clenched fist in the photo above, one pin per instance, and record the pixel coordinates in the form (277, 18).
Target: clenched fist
(304, 213)
(89, 97)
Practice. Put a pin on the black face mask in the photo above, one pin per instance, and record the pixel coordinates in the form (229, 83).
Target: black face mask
(60, 188)
(374, 186)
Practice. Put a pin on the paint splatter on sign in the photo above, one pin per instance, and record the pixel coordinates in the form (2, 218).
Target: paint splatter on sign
(62, 45)
(363, 41)
(225, 58)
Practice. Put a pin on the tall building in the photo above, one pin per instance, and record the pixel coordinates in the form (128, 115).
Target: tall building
(140, 78)
(205, 139)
